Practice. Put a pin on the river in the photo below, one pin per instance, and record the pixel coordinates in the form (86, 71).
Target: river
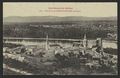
(64, 42)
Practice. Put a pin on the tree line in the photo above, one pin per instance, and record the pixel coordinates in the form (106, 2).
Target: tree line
(27, 31)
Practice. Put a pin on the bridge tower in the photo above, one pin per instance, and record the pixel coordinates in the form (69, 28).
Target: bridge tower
(99, 43)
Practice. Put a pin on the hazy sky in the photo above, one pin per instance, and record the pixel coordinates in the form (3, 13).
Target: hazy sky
(76, 9)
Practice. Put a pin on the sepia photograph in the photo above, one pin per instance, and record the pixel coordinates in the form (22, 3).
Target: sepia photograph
(52, 38)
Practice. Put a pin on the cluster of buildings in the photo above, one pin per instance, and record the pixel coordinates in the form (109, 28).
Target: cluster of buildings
(14, 57)
(93, 56)
(112, 36)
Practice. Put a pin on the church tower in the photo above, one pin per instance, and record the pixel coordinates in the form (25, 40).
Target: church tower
(85, 41)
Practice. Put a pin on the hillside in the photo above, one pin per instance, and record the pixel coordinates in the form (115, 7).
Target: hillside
(54, 18)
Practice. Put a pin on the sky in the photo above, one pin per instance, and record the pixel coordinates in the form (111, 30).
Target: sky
(88, 9)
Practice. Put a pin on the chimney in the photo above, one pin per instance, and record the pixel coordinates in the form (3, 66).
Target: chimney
(46, 42)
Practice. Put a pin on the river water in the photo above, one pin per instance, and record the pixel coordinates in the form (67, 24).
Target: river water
(64, 43)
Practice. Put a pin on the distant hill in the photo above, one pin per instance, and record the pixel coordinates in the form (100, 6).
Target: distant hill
(54, 18)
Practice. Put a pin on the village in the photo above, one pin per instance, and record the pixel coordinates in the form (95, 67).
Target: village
(56, 58)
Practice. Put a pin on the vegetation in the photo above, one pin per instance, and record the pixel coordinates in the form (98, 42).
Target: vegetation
(110, 51)
(60, 29)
